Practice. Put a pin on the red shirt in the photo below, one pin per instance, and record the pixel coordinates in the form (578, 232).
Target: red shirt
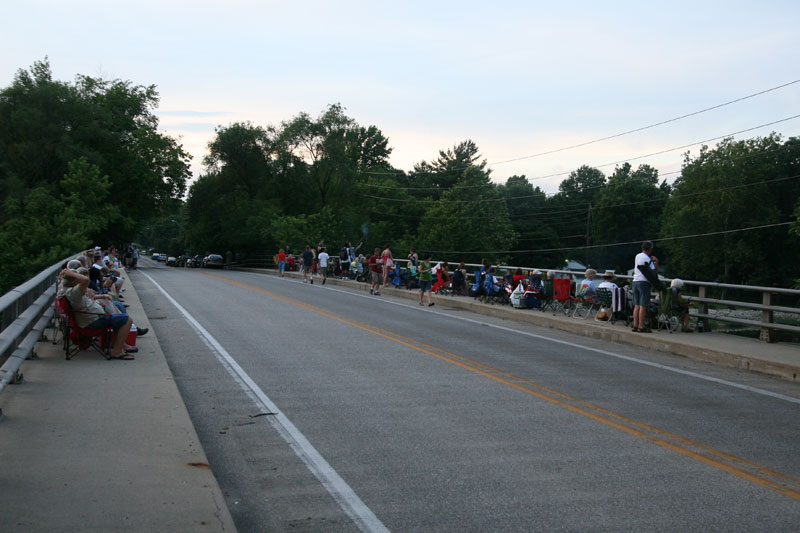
(517, 279)
(374, 265)
(281, 256)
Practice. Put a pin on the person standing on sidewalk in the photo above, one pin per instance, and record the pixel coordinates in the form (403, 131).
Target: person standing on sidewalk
(641, 287)
(308, 262)
(322, 263)
(425, 279)
(388, 263)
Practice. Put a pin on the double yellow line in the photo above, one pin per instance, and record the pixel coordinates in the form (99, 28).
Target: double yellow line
(753, 472)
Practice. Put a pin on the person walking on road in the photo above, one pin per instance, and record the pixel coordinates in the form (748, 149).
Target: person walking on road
(375, 266)
(641, 286)
(425, 279)
(322, 264)
(308, 262)
(281, 262)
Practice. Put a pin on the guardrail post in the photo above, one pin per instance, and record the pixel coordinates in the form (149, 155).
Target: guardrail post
(767, 335)
(703, 309)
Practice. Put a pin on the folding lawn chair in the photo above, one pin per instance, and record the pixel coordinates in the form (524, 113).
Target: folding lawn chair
(78, 338)
(562, 299)
(666, 317)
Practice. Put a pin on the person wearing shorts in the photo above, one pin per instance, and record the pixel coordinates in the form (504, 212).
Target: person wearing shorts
(375, 263)
(425, 280)
(308, 262)
(322, 264)
(641, 287)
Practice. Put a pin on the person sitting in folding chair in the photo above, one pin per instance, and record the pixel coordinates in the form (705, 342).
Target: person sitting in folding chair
(90, 315)
(679, 306)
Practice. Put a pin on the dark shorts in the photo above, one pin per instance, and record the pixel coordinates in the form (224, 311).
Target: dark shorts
(425, 286)
(115, 321)
(377, 278)
(641, 293)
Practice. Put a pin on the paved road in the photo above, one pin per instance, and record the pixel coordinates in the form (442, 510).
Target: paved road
(418, 419)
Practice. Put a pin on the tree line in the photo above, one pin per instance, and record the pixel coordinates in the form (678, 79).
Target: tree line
(327, 177)
(83, 163)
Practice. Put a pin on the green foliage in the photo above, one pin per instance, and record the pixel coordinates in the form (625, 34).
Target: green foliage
(528, 210)
(457, 223)
(41, 229)
(45, 124)
(724, 189)
(628, 210)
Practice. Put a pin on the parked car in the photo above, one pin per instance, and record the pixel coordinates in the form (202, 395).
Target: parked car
(214, 261)
(157, 256)
(171, 261)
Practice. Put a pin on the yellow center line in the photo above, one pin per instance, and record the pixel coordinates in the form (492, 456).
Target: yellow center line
(599, 414)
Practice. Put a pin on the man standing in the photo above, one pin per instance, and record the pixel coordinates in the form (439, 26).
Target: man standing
(308, 262)
(641, 286)
(376, 268)
(322, 263)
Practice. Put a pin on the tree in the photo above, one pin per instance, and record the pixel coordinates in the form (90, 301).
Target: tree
(528, 212)
(334, 150)
(41, 228)
(444, 172)
(45, 124)
(471, 221)
(738, 184)
(627, 210)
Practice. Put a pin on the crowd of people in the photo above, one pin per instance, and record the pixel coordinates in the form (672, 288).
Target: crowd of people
(92, 284)
(381, 269)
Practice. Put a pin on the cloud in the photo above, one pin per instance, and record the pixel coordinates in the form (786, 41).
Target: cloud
(190, 126)
(191, 113)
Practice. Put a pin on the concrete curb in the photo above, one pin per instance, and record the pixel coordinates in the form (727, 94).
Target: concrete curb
(725, 350)
(90, 444)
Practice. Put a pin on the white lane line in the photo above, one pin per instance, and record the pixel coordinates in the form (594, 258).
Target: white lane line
(347, 499)
(748, 388)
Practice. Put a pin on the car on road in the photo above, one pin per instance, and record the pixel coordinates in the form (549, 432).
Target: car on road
(171, 261)
(157, 256)
(213, 261)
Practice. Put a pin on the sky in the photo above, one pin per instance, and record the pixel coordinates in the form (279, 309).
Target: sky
(518, 78)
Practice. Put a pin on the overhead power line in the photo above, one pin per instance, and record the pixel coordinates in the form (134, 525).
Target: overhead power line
(639, 241)
(429, 200)
(621, 134)
(573, 212)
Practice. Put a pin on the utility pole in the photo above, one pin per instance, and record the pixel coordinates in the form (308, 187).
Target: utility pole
(588, 232)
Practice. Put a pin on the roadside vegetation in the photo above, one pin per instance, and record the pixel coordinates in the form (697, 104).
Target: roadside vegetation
(83, 162)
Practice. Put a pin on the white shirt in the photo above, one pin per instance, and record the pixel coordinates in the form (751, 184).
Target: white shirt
(323, 259)
(610, 285)
(641, 259)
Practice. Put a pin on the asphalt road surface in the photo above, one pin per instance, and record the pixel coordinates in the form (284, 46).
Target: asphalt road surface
(322, 408)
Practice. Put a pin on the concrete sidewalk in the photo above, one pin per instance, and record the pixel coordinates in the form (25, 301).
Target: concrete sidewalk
(90, 444)
(776, 359)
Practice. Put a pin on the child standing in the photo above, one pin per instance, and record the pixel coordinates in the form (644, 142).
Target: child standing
(425, 279)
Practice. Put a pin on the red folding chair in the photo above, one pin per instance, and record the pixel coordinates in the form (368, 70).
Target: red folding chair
(562, 299)
(77, 338)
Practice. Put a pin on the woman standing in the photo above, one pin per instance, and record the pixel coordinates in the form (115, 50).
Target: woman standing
(413, 260)
(388, 263)
(281, 261)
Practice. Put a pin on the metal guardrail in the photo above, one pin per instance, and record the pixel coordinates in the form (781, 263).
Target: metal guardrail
(25, 312)
(767, 324)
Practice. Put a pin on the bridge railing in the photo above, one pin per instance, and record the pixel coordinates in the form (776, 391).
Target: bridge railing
(770, 300)
(25, 312)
